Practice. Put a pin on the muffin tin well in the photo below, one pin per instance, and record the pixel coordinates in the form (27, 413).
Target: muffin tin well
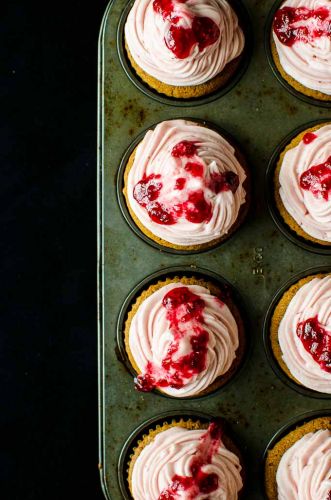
(268, 48)
(290, 234)
(257, 112)
(266, 333)
(245, 22)
(290, 425)
(226, 289)
(133, 226)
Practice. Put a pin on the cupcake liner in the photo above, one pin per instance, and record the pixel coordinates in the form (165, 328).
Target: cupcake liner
(275, 67)
(274, 314)
(284, 438)
(144, 233)
(245, 22)
(188, 274)
(288, 232)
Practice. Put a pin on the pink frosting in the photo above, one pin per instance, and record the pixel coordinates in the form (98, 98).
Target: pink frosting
(147, 30)
(312, 300)
(175, 182)
(151, 337)
(170, 454)
(311, 211)
(308, 63)
(304, 472)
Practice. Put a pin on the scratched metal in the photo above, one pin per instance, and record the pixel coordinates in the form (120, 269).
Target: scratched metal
(258, 112)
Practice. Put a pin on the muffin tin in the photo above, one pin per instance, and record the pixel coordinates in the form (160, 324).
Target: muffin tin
(258, 112)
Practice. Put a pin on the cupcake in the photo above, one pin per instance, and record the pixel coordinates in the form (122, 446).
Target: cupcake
(188, 460)
(186, 187)
(298, 467)
(303, 184)
(184, 49)
(301, 333)
(301, 46)
(183, 337)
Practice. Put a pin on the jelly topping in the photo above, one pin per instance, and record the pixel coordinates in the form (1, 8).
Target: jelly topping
(184, 149)
(194, 168)
(147, 189)
(198, 482)
(317, 341)
(309, 137)
(225, 181)
(195, 208)
(180, 183)
(185, 316)
(181, 39)
(301, 24)
(317, 179)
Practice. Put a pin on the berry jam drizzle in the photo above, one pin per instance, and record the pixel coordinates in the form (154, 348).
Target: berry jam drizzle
(198, 482)
(184, 149)
(195, 208)
(309, 137)
(317, 341)
(301, 24)
(180, 39)
(317, 179)
(185, 315)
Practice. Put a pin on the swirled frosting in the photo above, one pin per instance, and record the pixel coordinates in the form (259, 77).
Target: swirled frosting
(305, 335)
(305, 183)
(183, 43)
(304, 472)
(301, 32)
(165, 467)
(185, 185)
(182, 338)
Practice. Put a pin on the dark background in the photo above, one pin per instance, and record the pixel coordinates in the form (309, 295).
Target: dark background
(48, 334)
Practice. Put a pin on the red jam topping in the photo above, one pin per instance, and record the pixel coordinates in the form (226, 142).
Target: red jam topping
(317, 179)
(184, 149)
(185, 315)
(180, 39)
(198, 482)
(195, 208)
(180, 183)
(309, 137)
(147, 189)
(317, 341)
(194, 168)
(301, 24)
(226, 181)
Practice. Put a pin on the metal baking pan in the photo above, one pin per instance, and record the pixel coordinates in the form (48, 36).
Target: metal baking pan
(258, 112)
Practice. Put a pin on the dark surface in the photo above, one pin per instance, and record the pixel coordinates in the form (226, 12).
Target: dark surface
(48, 335)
